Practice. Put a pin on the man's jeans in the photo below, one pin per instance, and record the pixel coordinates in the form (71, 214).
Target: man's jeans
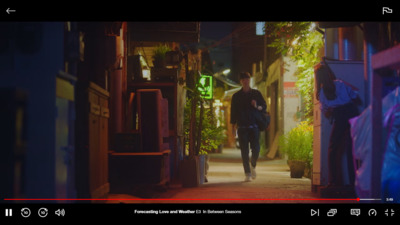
(246, 136)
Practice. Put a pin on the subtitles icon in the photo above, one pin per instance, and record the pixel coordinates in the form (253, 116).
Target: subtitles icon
(386, 10)
(355, 212)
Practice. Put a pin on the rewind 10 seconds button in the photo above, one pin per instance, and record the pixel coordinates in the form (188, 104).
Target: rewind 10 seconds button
(25, 212)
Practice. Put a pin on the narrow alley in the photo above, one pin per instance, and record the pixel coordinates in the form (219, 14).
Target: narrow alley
(226, 185)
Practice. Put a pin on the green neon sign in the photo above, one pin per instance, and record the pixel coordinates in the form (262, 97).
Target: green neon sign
(205, 86)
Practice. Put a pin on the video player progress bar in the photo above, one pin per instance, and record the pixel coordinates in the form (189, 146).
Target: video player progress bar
(195, 199)
(370, 199)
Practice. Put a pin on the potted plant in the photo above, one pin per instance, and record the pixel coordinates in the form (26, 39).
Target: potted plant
(159, 55)
(212, 136)
(297, 145)
(209, 138)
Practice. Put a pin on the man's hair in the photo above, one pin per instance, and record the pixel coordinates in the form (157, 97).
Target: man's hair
(244, 75)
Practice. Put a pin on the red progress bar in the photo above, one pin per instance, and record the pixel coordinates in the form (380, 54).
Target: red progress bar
(166, 199)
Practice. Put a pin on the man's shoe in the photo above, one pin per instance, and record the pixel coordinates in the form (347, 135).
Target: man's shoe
(253, 173)
(247, 179)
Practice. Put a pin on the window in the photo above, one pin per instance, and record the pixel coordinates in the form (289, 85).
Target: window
(260, 28)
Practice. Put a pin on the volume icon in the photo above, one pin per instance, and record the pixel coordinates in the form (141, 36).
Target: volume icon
(8, 212)
(60, 212)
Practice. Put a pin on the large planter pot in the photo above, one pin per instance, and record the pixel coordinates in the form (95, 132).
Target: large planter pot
(296, 168)
(190, 172)
(194, 170)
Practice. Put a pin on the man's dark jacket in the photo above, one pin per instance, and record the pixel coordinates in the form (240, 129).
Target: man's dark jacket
(241, 108)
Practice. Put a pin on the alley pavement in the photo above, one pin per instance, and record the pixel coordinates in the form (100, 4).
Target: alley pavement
(226, 185)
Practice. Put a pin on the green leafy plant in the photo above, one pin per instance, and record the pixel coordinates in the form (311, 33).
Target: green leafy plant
(297, 143)
(202, 135)
(211, 135)
(159, 51)
(302, 42)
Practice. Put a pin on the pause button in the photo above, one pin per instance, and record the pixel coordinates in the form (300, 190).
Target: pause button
(8, 212)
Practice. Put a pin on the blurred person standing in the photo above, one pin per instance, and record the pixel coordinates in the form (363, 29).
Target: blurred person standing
(338, 103)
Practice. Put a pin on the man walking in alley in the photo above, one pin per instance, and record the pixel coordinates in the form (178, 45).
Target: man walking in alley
(243, 106)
